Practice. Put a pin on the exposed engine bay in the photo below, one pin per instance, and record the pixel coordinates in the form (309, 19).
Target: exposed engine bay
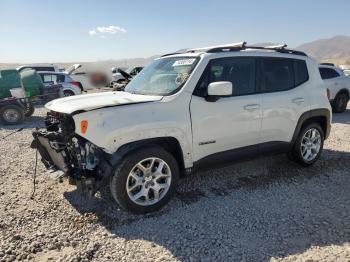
(61, 148)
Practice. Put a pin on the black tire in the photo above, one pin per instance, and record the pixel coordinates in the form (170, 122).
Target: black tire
(29, 110)
(121, 172)
(68, 93)
(340, 103)
(11, 114)
(296, 153)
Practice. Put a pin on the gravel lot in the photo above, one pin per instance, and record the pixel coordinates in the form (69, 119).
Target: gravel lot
(261, 210)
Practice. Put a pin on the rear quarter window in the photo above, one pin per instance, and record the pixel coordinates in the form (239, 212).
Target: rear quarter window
(301, 73)
(328, 73)
(277, 74)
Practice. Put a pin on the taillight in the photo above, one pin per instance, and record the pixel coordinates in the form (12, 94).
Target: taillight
(328, 93)
(75, 84)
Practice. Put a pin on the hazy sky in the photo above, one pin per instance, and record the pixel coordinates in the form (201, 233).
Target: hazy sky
(89, 30)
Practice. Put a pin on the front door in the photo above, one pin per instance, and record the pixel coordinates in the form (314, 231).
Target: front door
(230, 122)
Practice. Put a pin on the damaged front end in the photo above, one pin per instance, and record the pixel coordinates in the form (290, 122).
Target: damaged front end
(61, 148)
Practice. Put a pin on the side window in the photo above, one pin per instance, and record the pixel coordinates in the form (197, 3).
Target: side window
(301, 73)
(328, 73)
(277, 74)
(47, 78)
(239, 71)
(60, 78)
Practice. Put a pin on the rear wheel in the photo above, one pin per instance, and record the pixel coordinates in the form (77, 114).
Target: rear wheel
(68, 93)
(145, 180)
(309, 144)
(11, 114)
(340, 103)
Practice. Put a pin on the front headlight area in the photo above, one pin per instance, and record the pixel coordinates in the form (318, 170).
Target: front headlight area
(63, 148)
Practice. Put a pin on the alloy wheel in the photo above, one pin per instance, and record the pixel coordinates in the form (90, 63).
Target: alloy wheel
(148, 181)
(310, 144)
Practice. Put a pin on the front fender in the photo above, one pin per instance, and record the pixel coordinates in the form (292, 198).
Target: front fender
(105, 131)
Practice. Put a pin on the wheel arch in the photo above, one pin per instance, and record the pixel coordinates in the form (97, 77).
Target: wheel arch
(170, 144)
(320, 116)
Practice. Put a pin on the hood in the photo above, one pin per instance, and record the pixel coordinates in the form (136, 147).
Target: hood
(88, 102)
(124, 74)
(72, 68)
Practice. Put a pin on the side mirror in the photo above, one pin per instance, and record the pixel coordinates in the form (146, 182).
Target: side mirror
(219, 89)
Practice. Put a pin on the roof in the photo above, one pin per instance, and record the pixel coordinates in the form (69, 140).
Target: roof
(39, 65)
(52, 72)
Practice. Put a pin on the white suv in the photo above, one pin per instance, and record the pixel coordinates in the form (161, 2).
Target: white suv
(338, 85)
(186, 111)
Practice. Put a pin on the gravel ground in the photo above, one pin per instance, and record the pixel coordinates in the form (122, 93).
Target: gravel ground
(265, 209)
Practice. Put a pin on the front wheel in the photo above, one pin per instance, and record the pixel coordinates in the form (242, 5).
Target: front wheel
(145, 180)
(309, 144)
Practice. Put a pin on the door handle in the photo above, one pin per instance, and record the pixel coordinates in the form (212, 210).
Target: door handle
(298, 100)
(251, 107)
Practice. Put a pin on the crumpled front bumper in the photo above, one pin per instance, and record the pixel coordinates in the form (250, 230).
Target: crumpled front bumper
(52, 153)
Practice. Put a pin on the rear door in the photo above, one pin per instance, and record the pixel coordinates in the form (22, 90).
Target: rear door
(282, 84)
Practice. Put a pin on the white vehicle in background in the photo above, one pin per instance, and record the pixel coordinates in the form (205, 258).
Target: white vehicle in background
(69, 86)
(201, 108)
(38, 67)
(82, 78)
(338, 85)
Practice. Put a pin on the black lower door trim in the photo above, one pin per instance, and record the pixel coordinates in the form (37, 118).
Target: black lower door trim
(241, 154)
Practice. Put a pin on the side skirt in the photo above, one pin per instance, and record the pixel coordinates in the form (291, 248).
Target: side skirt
(229, 157)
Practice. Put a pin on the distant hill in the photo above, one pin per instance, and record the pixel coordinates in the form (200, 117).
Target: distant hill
(335, 49)
(104, 65)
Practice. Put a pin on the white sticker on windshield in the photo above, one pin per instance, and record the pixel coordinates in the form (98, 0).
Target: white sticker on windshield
(183, 62)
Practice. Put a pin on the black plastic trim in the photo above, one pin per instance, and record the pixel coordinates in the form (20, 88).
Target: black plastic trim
(241, 154)
(322, 112)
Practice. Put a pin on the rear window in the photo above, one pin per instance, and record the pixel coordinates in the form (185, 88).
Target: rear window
(301, 73)
(277, 74)
(281, 74)
(52, 78)
(50, 69)
(328, 73)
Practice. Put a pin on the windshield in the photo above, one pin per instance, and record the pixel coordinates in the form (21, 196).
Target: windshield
(163, 77)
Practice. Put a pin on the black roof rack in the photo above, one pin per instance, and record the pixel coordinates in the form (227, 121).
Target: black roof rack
(242, 46)
(219, 48)
(176, 53)
(278, 48)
